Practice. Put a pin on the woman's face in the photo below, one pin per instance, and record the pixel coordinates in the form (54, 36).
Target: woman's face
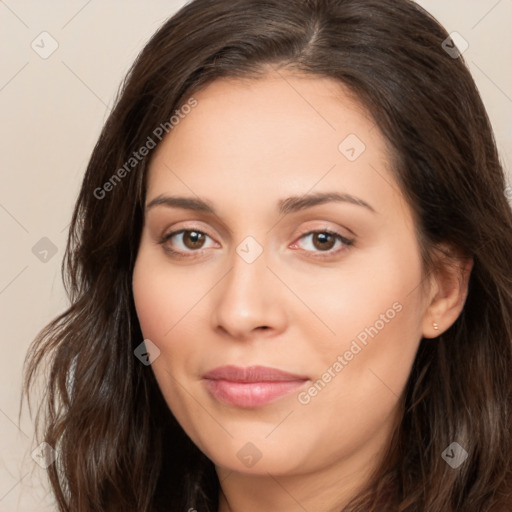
(294, 251)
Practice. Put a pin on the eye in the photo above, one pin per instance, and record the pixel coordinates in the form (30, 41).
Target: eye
(324, 242)
(186, 241)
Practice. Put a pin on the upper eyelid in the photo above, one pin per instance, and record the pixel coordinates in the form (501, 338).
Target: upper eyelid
(301, 234)
(197, 227)
(225, 230)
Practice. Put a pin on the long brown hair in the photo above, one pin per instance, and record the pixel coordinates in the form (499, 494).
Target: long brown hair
(119, 446)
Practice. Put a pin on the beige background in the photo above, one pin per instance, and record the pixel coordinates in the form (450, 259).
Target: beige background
(52, 111)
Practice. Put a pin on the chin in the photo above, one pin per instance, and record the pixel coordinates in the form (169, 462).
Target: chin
(258, 456)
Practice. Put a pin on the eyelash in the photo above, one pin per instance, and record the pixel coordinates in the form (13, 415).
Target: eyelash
(321, 254)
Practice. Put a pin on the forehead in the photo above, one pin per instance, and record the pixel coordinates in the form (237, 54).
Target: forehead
(280, 110)
(275, 136)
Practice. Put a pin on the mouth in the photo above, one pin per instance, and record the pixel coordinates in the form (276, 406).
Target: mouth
(252, 386)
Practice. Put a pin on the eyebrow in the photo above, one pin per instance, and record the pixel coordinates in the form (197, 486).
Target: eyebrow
(285, 206)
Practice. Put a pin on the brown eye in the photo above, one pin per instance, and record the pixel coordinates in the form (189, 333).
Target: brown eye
(193, 239)
(185, 241)
(323, 241)
(324, 244)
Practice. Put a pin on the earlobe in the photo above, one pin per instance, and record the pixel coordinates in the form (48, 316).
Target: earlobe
(448, 296)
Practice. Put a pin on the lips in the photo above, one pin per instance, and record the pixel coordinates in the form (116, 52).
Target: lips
(251, 386)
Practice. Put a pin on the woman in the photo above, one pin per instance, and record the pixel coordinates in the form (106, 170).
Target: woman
(289, 272)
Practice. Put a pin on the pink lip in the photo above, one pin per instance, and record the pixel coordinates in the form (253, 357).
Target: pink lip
(252, 386)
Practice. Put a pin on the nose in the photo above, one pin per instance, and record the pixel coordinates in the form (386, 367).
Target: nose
(249, 299)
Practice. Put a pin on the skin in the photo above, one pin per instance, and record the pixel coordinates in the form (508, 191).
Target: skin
(243, 148)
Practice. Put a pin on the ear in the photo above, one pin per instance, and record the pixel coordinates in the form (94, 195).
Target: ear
(448, 292)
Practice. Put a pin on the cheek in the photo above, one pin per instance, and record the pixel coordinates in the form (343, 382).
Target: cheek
(171, 306)
(372, 294)
(150, 301)
(162, 302)
(162, 297)
(377, 320)
(375, 311)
